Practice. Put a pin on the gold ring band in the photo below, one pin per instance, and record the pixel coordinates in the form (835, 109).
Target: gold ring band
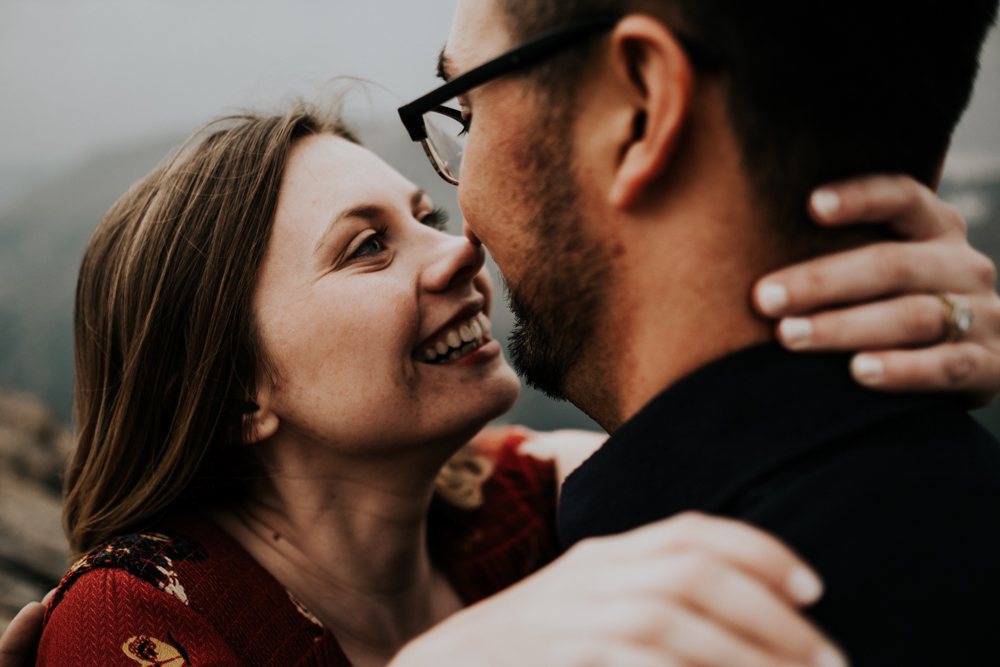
(958, 317)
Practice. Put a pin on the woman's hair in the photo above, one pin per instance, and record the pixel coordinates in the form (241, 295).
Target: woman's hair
(167, 351)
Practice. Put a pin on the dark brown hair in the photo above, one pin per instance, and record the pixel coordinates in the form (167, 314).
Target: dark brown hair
(167, 352)
(818, 91)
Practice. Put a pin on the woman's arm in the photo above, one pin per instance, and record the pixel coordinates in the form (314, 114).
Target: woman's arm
(884, 299)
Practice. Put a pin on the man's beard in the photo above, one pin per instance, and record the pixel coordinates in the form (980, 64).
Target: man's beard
(559, 299)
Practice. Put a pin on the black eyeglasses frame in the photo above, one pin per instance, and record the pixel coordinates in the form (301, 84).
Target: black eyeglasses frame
(528, 53)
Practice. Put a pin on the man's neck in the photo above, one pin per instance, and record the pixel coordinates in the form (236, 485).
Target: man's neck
(682, 281)
(664, 336)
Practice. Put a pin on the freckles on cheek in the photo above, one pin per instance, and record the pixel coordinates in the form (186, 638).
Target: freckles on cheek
(360, 337)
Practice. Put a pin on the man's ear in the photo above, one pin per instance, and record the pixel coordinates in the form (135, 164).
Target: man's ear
(262, 422)
(660, 74)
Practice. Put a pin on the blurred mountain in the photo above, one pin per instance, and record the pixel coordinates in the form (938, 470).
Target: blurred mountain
(42, 238)
(33, 551)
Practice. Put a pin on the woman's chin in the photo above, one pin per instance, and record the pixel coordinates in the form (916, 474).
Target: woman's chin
(496, 397)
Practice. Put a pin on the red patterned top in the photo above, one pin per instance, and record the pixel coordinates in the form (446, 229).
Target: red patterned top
(186, 594)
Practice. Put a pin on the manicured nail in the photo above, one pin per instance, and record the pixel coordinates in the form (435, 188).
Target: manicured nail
(772, 299)
(804, 586)
(796, 332)
(825, 202)
(828, 657)
(867, 370)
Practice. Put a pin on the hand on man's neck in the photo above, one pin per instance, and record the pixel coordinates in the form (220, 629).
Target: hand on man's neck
(686, 257)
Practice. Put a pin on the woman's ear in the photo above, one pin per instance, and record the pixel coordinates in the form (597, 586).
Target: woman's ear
(262, 422)
(653, 63)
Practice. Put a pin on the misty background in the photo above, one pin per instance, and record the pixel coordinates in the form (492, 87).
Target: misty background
(94, 93)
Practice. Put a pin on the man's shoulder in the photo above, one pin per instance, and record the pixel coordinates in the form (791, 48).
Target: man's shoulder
(901, 521)
(912, 457)
(918, 475)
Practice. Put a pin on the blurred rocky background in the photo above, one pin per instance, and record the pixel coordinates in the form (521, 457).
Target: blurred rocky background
(33, 553)
(96, 93)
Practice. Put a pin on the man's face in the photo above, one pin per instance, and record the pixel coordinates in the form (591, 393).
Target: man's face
(519, 194)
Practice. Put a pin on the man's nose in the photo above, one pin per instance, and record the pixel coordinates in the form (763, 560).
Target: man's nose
(456, 260)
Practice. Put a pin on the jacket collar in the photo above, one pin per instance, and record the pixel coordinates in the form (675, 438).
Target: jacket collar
(717, 430)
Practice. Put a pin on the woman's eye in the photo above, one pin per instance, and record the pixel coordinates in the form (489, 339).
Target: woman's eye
(436, 219)
(373, 245)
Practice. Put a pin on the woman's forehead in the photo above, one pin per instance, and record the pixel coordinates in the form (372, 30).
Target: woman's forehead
(339, 168)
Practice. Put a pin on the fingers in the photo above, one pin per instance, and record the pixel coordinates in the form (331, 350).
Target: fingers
(695, 640)
(19, 643)
(745, 547)
(910, 208)
(875, 271)
(739, 604)
(903, 321)
(964, 366)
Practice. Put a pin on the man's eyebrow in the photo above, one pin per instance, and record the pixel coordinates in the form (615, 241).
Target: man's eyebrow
(444, 65)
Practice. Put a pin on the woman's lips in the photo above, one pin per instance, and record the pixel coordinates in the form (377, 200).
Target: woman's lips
(455, 342)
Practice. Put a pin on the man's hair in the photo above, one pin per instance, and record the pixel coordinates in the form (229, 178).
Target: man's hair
(817, 91)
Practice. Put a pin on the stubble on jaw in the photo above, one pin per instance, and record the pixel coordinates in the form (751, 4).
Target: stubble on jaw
(560, 301)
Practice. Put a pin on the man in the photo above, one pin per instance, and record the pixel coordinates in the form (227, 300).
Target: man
(632, 188)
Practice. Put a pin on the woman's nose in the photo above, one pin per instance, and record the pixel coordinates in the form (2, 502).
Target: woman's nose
(457, 261)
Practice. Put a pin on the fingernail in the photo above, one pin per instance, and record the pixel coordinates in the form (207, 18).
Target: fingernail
(825, 202)
(804, 586)
(796, 332)
(867, 370)
(828, 657)
(772, 299)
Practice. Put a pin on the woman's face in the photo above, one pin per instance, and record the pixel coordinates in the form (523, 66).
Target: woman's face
(375, 321)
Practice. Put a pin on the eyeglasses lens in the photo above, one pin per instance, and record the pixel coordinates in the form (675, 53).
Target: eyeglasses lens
(447, 138)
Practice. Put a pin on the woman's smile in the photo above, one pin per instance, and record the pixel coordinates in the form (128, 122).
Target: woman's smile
(455, 341)
(383, 276)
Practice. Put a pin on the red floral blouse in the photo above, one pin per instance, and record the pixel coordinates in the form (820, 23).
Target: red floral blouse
(186, 594)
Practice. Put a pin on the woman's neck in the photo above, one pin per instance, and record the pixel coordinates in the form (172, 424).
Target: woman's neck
(349, 541)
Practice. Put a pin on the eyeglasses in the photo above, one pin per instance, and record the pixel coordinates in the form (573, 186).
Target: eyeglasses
(441, 130)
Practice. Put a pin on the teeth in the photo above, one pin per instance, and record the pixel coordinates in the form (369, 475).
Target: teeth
(458, 342)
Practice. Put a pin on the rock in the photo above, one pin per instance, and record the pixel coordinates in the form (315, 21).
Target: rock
(33, 550)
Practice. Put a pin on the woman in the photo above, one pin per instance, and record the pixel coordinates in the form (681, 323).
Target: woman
(277, 352)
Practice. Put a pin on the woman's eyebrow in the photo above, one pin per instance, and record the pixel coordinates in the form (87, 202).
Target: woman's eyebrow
(366, 212)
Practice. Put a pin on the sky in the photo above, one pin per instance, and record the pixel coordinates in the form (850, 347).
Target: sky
(78, 77)
(81, 76)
